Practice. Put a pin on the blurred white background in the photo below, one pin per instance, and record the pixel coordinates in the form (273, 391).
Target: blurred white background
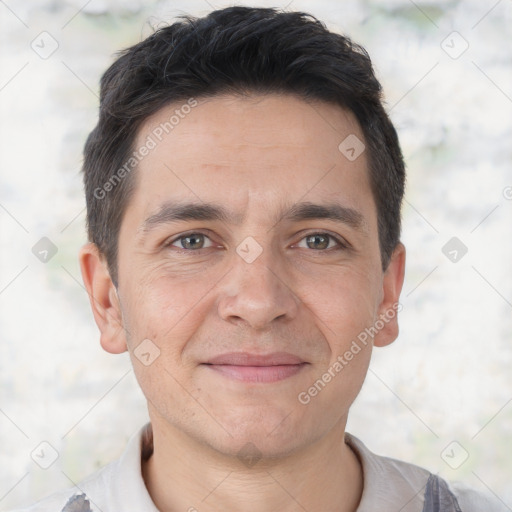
(447, 74)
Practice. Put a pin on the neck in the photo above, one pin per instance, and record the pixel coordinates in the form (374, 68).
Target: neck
(184, 475)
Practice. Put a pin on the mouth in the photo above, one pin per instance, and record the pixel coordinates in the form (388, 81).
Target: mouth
(246, 367)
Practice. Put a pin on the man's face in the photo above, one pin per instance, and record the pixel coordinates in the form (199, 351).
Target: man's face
(292, 267)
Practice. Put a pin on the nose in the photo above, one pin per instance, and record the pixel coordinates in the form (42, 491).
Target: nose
(257, 294)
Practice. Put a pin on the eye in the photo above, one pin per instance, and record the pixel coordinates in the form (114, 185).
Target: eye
(320, 241)
(192, 241)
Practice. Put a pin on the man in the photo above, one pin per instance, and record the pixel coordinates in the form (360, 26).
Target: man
(243, 193)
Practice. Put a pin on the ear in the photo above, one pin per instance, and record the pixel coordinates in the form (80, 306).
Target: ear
(390, 306)
(103, 298)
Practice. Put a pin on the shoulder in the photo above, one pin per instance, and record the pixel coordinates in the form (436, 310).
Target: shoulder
(391, 484)
(476, 501)
(117, 486)
(76, 499)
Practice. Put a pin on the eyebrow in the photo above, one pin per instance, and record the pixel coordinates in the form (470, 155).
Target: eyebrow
(330, 211)
(172, 211)
(182, 211)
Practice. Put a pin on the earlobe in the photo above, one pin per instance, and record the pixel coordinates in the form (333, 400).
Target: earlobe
(103, 298)
(390, 305)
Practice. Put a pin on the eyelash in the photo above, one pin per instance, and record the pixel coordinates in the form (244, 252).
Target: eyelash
(341, 243)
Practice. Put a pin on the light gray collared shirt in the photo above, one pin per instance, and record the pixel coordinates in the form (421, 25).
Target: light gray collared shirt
(389, 486)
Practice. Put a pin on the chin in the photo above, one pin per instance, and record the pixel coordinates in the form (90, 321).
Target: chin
(255, 446)
(272, 434)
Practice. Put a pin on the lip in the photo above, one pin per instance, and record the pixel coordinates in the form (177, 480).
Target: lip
(246, 367)
(248, 359)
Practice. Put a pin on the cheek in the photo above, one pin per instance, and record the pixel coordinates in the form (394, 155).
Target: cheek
(162, 316)
(165, 310)
(163, 386)
(345, 302)
(344, 307)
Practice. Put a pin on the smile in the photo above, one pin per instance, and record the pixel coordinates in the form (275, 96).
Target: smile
(261, 374)
(252, 367)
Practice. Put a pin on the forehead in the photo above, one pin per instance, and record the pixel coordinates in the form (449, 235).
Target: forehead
(226, 120)
(262, 150)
